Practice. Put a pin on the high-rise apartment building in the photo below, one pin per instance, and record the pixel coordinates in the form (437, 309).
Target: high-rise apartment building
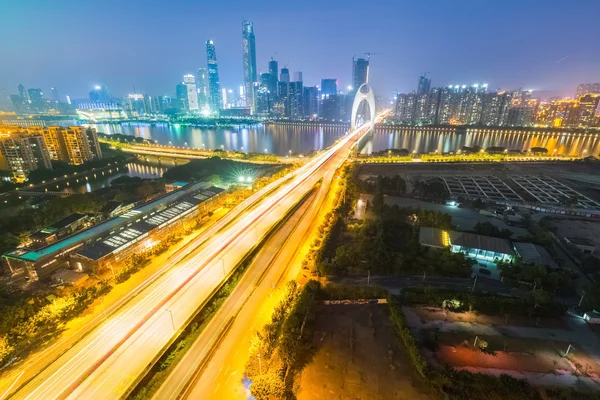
(423, 86)
(202, 88)
(214, 87)
(190, 82)
(36, 100)
(588, 105)
(181, 93)
(360, 72)
(587, 88)
(274, 74)
(406, 107)
(311, 101)
(74, 145)
(249, 57)
(22, 152)
(295, 102)
(285, 75)
(328, 87)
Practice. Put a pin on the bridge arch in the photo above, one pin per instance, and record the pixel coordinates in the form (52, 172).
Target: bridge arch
(364, 93)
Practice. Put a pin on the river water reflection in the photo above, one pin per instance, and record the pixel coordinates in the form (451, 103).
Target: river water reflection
(280, 139)
(134, 169)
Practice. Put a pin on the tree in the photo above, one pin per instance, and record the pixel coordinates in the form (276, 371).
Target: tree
(5, 349)
(378, 203)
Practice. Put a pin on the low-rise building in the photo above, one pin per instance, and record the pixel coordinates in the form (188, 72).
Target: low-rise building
(485, 248)
(534, 254)
(61, 228)
(47, 259)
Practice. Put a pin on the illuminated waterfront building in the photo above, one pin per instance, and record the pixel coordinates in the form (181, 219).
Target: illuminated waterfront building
(249, 57)
(181, 93)
(190, 82)
(74, 145)
(22, 151)
(273, 73)
(202, 88)
(136, 104)
(214, 87)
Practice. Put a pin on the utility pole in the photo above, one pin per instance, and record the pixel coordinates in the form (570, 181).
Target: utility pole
(424, 275)
(581, 299)
(368, 277)
(568, 349)
(474, 283)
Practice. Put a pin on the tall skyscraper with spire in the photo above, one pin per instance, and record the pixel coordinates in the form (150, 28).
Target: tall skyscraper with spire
(250, 75)
(214, 96)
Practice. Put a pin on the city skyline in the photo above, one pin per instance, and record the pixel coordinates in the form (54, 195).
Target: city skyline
(502, 62)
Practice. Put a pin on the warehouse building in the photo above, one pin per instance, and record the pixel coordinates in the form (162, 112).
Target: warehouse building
(44, 261)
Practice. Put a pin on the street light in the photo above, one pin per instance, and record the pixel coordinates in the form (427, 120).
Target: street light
(172, 321)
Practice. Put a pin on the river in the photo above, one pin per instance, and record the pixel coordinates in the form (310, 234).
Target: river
(134, 169)
(280, 139)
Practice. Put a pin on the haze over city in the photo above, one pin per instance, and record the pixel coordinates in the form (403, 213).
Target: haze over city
(149, 45)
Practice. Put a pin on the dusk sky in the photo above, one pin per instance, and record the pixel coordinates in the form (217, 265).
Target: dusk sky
(542, 45)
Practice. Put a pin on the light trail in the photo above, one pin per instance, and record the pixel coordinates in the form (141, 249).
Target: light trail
(109, 361)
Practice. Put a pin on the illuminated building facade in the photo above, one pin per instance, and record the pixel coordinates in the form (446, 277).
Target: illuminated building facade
(192, 95)
(249, 58)
(214, 87)
(22, 152)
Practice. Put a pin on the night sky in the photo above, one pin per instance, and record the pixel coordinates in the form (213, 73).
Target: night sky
(546, 45)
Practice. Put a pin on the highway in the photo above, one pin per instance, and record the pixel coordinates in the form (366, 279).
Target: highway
(36, 363)
(213, 366)
(108, 362)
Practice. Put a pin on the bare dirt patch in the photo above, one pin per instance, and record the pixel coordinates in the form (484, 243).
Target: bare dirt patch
(358, 356)
(435, 314)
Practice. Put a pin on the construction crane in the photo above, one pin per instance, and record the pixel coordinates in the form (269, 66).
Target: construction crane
(369, 54)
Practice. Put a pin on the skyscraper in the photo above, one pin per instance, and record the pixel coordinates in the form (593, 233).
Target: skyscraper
(190, 82)
(21, 101)
(55, 96)
(285, 75)
(214, 87)
(585, 88)
(423, 86)
(181, 92)
(249, 59)
(274, 72)
(297, 76)
(202, 87)
(100, 95)
(329, 87)
(36, 100)
(360, 71)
